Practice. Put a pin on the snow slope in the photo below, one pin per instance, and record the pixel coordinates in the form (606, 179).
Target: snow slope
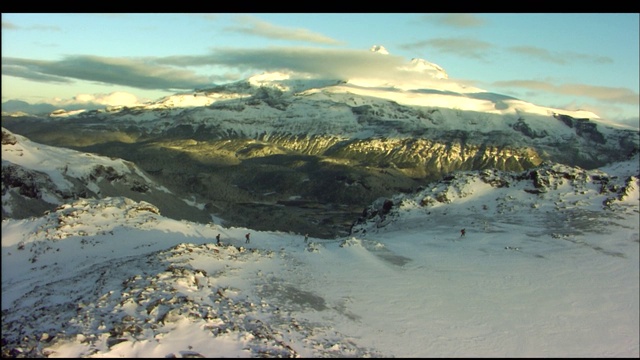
(548, 267)
(60, 164)
(37, 177)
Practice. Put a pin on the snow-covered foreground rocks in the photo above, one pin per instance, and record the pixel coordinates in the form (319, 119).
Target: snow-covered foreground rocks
(114, 278)
(549, 272)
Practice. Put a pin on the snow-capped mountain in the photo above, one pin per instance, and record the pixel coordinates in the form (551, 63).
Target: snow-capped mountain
(548, 266)
(424, 105)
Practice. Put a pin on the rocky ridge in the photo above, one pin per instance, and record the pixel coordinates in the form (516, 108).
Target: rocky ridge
(567, 198)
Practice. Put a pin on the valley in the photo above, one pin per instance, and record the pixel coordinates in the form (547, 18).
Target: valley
(310, 160)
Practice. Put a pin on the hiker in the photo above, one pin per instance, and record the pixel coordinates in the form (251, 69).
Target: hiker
(247, 237)
(306, 237)
(462, 232)
(218, 239)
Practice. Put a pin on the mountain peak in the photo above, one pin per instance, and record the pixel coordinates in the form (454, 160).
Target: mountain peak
(424, 66)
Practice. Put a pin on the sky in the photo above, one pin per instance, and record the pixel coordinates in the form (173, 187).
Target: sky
(534, 276)
(573, 61)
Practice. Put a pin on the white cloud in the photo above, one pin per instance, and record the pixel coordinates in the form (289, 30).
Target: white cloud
(118, 98)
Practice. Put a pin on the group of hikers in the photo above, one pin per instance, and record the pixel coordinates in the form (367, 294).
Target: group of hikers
(247, 237)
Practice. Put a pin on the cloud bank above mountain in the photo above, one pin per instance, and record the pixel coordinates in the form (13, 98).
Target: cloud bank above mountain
(554, 60)
(163, 73)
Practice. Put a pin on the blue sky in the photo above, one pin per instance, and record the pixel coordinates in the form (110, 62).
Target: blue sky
(586, 61)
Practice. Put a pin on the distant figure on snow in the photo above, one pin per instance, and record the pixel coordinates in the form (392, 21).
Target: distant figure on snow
(247, 237)
(306, 238)
(462, 232)
(218, 239)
